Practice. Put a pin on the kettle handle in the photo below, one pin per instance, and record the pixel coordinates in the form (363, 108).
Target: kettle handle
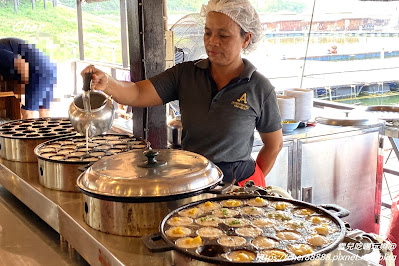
(86, 81)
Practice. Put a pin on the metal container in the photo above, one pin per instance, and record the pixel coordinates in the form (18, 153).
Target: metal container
(19, 138)
(98, 120)
(129, 194)
(175, 129)
(211, 252)
(62, 160)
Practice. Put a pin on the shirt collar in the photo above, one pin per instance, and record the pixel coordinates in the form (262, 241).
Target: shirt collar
(249, 68)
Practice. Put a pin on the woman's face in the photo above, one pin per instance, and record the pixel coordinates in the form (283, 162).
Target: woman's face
(222, 39)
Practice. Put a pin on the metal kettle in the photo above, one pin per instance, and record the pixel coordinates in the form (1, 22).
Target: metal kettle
(175, 127)
(98, 117)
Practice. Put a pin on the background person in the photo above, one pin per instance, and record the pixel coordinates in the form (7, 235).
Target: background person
(31, 71)
(223, 99)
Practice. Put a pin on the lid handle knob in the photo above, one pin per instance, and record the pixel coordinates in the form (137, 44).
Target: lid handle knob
(151, 154)
(151, 161)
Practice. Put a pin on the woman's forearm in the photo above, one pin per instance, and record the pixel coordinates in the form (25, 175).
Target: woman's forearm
(266, 159)
(122, 92)
(139, 94)
(272, 144)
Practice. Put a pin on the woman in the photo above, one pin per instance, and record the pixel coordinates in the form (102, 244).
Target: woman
(222, 98)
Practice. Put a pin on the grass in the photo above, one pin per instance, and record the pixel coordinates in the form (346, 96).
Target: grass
(58, 34)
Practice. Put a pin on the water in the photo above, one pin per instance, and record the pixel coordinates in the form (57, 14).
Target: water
(87, 107)
(86, 101)
(272, 56)
(384, 100)
(295, 46)
(87, 139)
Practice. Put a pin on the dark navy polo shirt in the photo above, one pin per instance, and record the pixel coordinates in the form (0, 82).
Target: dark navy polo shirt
(221, 128)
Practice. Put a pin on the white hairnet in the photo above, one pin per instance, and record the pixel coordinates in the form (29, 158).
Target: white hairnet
(241, 12)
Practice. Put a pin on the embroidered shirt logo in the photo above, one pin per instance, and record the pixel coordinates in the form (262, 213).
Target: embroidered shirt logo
(241, 102)
(243, 98)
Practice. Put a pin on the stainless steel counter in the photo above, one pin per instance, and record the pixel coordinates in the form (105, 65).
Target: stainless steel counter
(63, 211)
(391, 131)
(25, 239)
(316, 131)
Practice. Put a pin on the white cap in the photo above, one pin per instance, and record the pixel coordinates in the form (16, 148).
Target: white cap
(241, 12)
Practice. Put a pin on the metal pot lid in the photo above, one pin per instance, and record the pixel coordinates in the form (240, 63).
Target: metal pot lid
(383, 112)
(383, 108)
(150, 173)
(345, 121)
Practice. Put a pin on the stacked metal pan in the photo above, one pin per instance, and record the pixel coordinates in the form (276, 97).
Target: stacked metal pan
(62, 160)
(19, 138)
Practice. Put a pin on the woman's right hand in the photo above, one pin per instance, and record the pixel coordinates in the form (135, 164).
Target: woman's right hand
(99, 80)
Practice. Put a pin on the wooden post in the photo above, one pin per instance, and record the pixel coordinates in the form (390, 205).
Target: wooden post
(147, 58)
(134, 22)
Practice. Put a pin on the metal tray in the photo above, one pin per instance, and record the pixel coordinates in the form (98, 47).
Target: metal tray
(383, 112)
(345, 121)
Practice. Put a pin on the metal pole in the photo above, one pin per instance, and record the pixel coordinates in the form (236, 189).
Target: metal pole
(16, 6)
(80, 29)
(124, 33)
(33, 4)
(165, 14)
(307, 46)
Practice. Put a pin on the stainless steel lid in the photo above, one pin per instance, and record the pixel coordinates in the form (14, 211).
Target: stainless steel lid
(383, 108)
(383, 112)
(157, 173)
(345, 121)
